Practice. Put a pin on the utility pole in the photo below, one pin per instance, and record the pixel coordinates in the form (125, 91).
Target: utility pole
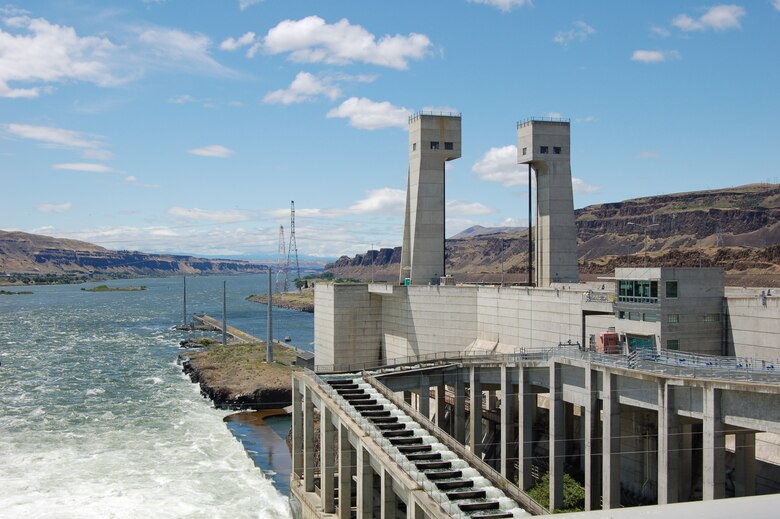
(224, 313)
(184, 314)
(269, 342)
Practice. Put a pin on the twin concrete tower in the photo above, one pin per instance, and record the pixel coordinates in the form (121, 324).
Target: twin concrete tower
(542, 144)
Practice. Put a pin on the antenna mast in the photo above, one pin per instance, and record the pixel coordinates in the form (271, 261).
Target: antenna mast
(293, 248)
(281, 268)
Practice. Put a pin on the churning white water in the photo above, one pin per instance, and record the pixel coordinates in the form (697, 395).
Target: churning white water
(96, 419)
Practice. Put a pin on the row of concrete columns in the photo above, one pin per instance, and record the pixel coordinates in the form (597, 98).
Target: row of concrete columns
(338, 472)
(600, 435)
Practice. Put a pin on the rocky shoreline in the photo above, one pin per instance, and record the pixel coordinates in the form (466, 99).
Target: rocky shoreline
(237, 377)
(302, 301)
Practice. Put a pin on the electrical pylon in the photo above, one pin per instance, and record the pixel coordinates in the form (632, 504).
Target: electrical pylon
(293, 248)
(281, 264)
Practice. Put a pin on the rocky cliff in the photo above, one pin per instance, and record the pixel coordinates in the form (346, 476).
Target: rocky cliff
(735, 228)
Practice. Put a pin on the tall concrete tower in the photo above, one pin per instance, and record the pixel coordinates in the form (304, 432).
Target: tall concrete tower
(544, 144)
(433, 140)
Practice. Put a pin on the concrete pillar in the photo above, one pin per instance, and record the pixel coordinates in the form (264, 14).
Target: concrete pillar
(526, 411)
(365, 484)
(508, 405)
(413, 509)
(557, 438)
(425, 396)
(590, 423)
(441, 392)
(713, 478)
(475, 403)
(308, 440)
(492, 405)
(745, 468)
(389, 499)
(668, 446)
(686, 461)
(610, 444)
(297, 429)
(346, 471)
(327, 456)
(459, 411)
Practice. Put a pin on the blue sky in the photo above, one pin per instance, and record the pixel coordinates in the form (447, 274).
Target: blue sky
(190, 125)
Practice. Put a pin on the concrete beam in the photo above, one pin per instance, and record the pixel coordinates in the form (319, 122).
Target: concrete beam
(591, 423)
(297, 429)
(610, 445)
(308, 440)
(346, 472)
(557, 437)
(508, 421)
(526, 405)
(425, 396)
(388, 498)
(327, 456)
(365, 484)
(713, 447)
(475, 404)
(459, 422)
(668, 446)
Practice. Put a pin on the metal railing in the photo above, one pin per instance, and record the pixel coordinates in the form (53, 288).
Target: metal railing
(530, 120)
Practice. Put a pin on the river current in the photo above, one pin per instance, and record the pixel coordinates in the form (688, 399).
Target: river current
(96, 418)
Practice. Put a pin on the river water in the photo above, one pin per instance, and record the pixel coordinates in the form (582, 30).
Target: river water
(97, 420)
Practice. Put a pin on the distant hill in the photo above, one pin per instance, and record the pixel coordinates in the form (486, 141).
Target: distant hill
(38, 257)
(735, 228)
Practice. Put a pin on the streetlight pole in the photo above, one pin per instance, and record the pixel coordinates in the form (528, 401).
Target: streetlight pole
(645, 227)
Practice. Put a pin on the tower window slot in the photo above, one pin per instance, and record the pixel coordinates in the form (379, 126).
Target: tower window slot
(414, 146)
(525, 151)
(448, 146)
(556, 150)
(434, 145)
(544, 150)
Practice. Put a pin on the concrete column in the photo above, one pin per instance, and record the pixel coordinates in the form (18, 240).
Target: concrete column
(389, 499)
(686, 461)
(590, 424)
(610, 444)
(668, 446)
(297, 429)
(365, 484)
(713, 475)
(526, 411)
(745, 469)
(492, 404)
(441, 392)
(346, 471)
(425, 396)
(413, 509)
(557, 438)
(475, 403)
(459, 411)
(508, 405)
(327, 456)
(308, 440)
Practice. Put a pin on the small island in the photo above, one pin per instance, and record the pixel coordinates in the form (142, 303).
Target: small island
(302, 301)
(106, 288)
(12, 293)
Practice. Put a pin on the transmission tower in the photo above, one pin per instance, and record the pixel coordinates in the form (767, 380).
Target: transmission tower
(293, 248)
(281, 264)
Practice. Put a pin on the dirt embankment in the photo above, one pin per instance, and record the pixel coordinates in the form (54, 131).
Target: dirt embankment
(238, 377)
(302, 301)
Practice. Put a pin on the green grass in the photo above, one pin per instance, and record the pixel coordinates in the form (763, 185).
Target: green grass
(106, 288)
(10, 292)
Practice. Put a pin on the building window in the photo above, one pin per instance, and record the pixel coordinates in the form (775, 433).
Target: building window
(673, 344)
(556, 150)
(525, 151)
(434, 145)
(638, 291)
(448, 146)
(621, 314)
(671, 289)
(650, 318)
(711, 318)
(544, 150)
(673, 318)
(634, 316)
(414, 146)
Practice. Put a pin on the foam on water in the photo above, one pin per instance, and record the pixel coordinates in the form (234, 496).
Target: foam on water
(97, 421)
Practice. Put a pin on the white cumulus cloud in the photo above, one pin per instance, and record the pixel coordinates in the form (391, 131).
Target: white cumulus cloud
(500, 165)
(503, 5)
(312, 40)
(366, 114)
(654, 56)
(719, 18)
(204, 215)
(214, 150)
(580, 186)
(37, 52)
(232, 44)
(305, 87)
(54, 208)
(580, 31)
(385, 200)
(88, 167)
(176, 48)
(246, 4)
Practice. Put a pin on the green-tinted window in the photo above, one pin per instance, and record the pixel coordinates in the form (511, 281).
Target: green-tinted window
(671, 289)
(650, 318)
(673, 318)
(673, 344)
